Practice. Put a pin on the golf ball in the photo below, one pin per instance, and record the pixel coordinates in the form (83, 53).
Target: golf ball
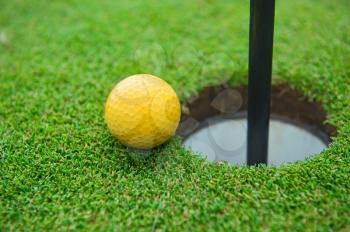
(142, 111)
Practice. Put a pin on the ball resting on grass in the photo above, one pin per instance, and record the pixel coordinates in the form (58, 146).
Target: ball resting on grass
(142, 111)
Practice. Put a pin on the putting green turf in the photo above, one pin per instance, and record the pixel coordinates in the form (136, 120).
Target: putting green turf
(61, 169)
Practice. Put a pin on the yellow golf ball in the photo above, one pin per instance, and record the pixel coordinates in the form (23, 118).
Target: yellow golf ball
(142, 111)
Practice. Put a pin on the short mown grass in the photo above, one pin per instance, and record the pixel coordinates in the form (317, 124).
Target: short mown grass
(60, 169)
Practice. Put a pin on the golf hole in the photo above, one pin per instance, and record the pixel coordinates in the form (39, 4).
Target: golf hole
(214, 125)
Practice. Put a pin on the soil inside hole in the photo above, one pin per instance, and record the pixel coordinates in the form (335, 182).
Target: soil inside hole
(219, 103)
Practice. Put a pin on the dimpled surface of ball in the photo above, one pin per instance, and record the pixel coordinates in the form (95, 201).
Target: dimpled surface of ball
(142, 111)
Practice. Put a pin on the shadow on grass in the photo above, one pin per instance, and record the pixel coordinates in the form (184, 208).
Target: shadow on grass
(138, 161)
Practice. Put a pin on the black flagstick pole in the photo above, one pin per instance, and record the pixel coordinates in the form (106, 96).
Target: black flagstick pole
(259, 87)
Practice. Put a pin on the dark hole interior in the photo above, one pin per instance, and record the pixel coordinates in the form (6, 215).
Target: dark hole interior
(224, 101)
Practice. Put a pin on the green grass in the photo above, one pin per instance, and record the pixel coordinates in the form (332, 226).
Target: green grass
(61, 169)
